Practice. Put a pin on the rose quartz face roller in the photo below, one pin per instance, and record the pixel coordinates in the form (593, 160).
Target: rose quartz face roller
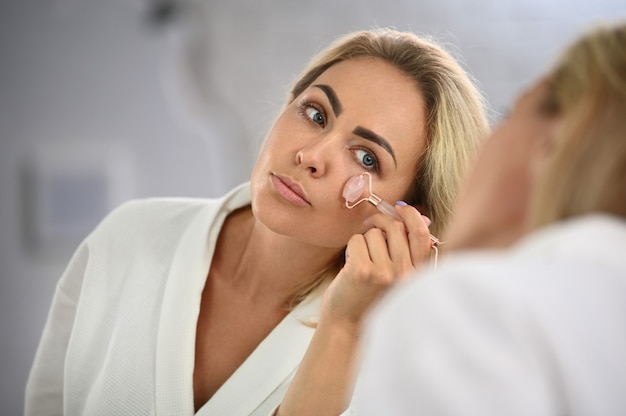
(354, 190)
(353, 194)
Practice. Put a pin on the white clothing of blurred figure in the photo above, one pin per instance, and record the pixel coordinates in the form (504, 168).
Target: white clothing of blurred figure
(539, 330)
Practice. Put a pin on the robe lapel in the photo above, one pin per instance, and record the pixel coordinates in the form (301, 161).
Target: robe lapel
(175, 352)
(270, 365)
(273, 362)
(177, 328)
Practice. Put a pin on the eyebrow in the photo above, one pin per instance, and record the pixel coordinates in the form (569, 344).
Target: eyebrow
(373, 137)
(332, 98)
(359, 131)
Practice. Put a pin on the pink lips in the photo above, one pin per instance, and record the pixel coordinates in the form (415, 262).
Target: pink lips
(289, 190)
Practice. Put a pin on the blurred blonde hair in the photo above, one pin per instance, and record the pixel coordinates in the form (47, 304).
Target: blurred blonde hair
(587, 90)
(456, 121)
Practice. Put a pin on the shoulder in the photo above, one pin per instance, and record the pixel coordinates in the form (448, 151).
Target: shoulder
(561, 286)
(149, 209)
(549, 310)
(585, 251)
(162, 217)
(464, 284)
(139, 214)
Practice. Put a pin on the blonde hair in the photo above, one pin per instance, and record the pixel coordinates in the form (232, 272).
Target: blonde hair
(455, 117)
(587, 90)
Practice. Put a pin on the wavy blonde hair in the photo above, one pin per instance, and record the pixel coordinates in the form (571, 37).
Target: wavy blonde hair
(587, 90)
(456, 120)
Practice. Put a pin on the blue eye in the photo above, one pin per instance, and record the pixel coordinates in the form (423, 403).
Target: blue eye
(315, 115)
(367, 159)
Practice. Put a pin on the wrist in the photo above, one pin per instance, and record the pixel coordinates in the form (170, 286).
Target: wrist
(340, 329)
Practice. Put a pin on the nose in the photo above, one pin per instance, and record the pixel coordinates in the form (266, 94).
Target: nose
(315, 158)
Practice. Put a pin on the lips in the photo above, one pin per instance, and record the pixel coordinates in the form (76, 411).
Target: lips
(290, 190)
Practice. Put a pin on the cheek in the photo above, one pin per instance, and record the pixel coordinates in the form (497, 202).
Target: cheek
(271, 143)
(285, 129)
(334, 224)
(494, 195)
(259, 172)
(545, 149)
(327, 225)
(321, 231)
(274, 148)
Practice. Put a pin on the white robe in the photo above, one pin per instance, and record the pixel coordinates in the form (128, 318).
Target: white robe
(120, 337)
(537, 330)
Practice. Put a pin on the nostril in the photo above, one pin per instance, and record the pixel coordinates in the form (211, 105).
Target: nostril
(313, 169)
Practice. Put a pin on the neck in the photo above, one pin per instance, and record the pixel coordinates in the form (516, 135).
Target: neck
(264, 265)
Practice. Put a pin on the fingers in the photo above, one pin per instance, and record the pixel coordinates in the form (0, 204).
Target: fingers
(418, 235)
(368, 260)
(408, 241)
(391, 244)
(391, 259)
(387, 252)
(356, 250)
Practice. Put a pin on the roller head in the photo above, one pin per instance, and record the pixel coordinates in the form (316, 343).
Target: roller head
(354, 188)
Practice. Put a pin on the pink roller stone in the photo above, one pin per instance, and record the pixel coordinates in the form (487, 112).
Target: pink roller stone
(354, 188)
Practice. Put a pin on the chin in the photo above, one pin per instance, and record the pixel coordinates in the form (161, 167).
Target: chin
(292, 226)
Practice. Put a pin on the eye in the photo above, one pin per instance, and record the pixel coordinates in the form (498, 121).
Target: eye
(367, 159)
(315, 115)
(311, 112)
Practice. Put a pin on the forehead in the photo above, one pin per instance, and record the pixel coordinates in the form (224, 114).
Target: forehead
(372, 76)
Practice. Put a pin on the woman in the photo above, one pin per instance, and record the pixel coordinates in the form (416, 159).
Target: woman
(535, 322)
(210, 307)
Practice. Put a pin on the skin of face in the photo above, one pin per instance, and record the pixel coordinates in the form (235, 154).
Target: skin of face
(494, 202)
(330, 133)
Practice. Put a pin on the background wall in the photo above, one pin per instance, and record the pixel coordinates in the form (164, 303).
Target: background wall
(103, 101)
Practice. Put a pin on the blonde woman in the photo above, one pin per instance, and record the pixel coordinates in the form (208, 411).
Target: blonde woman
(528, 316)
(211, 307)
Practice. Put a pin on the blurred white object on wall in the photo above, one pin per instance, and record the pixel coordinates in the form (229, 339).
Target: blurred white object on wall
(67, 188)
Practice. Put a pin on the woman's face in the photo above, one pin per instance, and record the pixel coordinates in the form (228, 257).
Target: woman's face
(362, 115)
(494, 203)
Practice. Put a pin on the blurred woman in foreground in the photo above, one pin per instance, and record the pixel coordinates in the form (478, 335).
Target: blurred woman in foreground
(528, 316)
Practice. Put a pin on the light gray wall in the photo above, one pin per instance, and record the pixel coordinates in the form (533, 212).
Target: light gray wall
(88, 86)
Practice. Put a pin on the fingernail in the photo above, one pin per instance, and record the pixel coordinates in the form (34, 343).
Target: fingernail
(401, 203)
(426, 220)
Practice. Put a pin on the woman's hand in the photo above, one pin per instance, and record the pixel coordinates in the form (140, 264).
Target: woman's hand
(385, 253)
(388, 251)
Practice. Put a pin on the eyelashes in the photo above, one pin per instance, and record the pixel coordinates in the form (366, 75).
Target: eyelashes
(314, 113)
